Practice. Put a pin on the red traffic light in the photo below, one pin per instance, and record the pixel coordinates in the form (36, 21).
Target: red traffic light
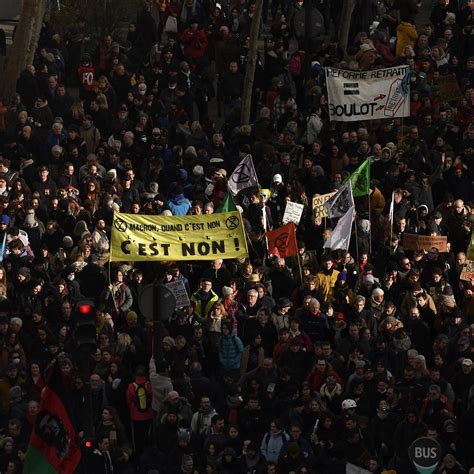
(88, 444)
(85, 308)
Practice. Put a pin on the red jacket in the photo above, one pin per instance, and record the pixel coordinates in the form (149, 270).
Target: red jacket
(316, 379)
(194, 42)
(133, 401)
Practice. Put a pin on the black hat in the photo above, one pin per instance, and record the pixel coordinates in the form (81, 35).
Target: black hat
(284, 303)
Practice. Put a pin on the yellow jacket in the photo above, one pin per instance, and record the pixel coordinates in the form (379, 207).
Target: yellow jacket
(202, 313)
(406, 36)
(325, 284)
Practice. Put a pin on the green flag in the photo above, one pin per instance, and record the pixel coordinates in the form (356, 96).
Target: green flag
(228, 204)
(360, 179)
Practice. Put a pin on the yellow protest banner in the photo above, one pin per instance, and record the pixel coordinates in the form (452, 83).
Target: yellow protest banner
(319, 210)
(206, 237)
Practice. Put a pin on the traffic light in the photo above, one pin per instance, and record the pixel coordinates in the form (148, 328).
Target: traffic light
(85, 326)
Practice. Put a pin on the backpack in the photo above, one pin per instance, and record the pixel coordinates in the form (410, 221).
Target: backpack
(142, 396)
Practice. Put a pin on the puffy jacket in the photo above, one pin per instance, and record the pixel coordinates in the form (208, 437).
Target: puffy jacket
(230, 352)
(179, 205)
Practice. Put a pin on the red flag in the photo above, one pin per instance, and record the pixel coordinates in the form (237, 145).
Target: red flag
(284, 240)
(53, 447)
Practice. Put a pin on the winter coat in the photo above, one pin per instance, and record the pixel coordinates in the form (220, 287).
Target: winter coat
(317, 327)
(179, 205)
(406, 36)
(272, 444)
(325, 282)
(230, 352)
(201, 312)
(194, 42)
(201, 421)
(161, 386)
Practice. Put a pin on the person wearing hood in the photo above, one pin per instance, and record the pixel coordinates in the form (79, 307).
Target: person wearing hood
(181, 451)
(179, 205)
(380, 167)
(228, 462)
(139, 398)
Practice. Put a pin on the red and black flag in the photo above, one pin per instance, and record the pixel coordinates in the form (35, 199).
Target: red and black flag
(282, 241)
(53, 448)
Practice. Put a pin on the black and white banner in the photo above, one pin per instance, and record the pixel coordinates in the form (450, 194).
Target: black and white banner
(368, 95)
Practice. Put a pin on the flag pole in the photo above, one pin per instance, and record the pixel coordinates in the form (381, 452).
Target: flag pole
(357, 240)
(301, 270)
(370, 225)
(391, 215)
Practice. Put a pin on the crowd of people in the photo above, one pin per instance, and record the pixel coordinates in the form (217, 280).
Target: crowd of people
(278, 365)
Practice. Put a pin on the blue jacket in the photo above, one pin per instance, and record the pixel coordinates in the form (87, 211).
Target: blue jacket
(179, 205)
(230, 352)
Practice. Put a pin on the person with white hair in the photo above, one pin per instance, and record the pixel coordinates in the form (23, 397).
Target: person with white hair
(377, 303)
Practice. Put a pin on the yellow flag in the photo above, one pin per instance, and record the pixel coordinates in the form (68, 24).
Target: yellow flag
(205, 237)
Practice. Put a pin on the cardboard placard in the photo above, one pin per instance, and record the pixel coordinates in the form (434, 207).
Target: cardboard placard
(293, 212)
(467, 273)
(319, 210)
(425, 242)
(179, 291)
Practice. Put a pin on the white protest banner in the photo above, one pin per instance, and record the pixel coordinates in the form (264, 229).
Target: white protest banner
(368, 95)
(319, 209)
(293, 212)
(179, 291)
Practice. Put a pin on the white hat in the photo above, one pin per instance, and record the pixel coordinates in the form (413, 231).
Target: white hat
(348, 404)
(112, 173)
